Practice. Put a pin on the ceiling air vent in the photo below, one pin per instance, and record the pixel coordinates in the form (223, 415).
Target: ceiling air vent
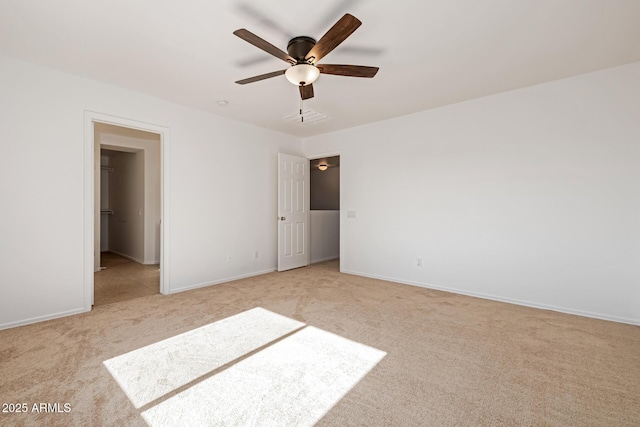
(307, 117)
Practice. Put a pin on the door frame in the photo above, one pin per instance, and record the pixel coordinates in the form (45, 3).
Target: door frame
(91, 117)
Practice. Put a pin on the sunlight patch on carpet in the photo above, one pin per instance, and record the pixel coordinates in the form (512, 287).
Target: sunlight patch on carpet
(294, 382)
(150, 372)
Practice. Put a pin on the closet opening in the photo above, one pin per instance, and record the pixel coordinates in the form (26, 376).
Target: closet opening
(324, 215)
(127, 213)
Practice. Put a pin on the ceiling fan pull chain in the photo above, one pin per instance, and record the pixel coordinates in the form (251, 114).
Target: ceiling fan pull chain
(301, 116)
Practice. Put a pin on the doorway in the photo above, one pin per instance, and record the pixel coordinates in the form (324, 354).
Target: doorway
(324, 222)
(134, 154)
(127, 259)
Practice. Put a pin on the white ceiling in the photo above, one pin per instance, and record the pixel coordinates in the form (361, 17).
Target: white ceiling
(430, 53)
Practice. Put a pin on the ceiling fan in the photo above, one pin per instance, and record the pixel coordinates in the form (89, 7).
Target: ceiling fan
(304, 53)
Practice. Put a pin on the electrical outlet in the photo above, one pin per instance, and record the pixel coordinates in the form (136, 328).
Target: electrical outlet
(418, 262)
(256, 255)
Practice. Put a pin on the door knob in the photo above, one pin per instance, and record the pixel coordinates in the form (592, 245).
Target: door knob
(282, 218)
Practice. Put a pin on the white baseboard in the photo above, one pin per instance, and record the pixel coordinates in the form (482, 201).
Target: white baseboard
(217, 282)
(315, 261)
(41, 318)
(502, 299)
(129, 257)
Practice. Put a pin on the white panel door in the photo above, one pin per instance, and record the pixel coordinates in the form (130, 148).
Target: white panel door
(293, 212)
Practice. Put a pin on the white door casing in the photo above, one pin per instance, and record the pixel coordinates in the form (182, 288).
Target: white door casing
(293, 212)
(90, 201)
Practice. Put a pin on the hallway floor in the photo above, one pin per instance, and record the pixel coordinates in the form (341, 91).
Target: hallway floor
(124, 280)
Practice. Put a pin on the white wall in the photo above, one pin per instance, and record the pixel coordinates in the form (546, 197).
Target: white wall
(324, 235)
(126, 191)
(530, 196)
(222, 190)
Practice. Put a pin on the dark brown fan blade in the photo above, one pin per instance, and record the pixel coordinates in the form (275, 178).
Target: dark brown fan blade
(348, 70)
(336, 35)
(260, 43)
(306, 91)
(263, 19)
(260, 77)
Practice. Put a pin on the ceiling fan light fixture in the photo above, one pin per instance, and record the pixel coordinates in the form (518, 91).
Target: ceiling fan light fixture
(302, 74)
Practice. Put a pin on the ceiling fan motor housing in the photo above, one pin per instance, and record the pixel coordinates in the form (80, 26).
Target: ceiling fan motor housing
(299, 47)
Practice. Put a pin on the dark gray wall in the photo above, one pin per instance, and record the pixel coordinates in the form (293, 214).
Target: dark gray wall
(325, 189)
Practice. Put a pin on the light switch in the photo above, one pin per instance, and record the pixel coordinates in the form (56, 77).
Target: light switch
(351, 214)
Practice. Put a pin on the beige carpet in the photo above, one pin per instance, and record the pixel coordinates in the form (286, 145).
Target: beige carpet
(150, 372)
(292, 382)
(123, 280)
(451, 359)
